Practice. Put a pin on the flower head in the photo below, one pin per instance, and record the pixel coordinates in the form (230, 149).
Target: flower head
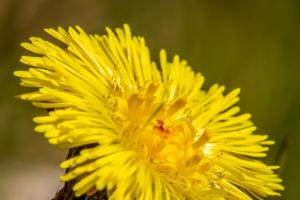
(151, 131)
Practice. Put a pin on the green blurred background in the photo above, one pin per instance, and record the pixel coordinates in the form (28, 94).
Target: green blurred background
(252, 44)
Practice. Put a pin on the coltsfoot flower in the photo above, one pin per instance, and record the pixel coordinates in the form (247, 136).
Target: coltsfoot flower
(151, 131)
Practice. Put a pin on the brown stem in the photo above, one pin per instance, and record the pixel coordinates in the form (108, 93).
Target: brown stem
(66, 192)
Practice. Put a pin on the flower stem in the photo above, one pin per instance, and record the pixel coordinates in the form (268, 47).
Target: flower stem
(66, 192)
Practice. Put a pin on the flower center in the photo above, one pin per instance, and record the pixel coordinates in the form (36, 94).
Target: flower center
(162, 132)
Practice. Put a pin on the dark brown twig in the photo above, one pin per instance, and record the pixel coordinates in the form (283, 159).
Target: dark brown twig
(66, 192)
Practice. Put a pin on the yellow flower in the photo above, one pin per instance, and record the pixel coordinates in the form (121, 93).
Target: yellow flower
(152, 132)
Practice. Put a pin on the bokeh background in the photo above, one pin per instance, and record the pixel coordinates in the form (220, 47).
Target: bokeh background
(253, 45)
